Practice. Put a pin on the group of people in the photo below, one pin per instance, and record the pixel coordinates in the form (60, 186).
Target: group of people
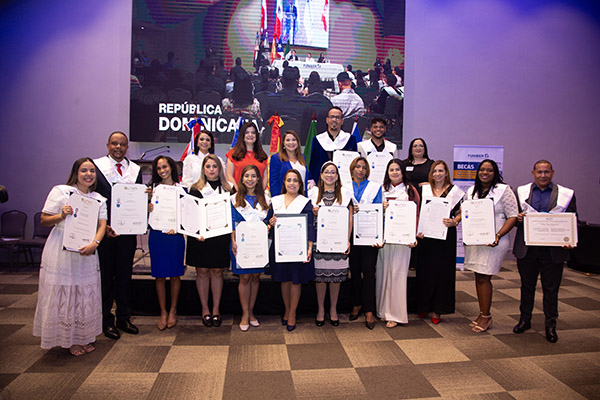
(77, 289)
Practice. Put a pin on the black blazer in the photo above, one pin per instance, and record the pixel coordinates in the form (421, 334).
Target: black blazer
(558, 254)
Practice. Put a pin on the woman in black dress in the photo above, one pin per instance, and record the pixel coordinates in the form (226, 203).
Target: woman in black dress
(209, 256)
(436, 267)
(418, 163)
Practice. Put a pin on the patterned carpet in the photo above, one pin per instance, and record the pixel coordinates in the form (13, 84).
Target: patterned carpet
(420, 360)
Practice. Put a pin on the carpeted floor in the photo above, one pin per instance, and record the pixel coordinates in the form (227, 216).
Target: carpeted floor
(420, 360)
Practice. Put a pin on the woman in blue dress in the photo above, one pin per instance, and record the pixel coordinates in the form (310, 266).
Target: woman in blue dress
(288, 157)
(248, 204)
(166, 248)
(292, 274)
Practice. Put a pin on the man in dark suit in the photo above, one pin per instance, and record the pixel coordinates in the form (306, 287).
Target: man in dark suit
(116, 251)
(541, 196)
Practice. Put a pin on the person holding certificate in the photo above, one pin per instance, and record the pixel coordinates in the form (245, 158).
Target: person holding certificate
(248, 204)
(393, 259)
(247, 150)
(363, 258)
(166, 248)
(486, 260)
(547, 261)
(330, 268)
(292, 274)
(289, 156)
(116, 251)
(436, 270)
(69, 306)
(192, 164)
(210, 256)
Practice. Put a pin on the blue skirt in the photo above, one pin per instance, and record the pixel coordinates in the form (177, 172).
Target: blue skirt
(166, 254)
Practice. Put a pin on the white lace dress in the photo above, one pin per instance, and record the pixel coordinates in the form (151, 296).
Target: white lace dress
(69, 308)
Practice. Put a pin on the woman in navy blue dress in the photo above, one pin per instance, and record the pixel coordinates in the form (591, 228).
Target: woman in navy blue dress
(166, 248)
(292, 274)
(248, 204)
(288, 157)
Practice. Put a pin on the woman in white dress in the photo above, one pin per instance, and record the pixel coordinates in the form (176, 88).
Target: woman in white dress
(486, 261)
(69, 308)
(393, 259)
(192, 164)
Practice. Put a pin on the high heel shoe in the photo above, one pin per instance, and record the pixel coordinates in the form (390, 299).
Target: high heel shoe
(480, 328)
(291, 327)
(172, 321)
(207, 320)
(319, 323)
(334, 322)
(370, 325)
(244, 328)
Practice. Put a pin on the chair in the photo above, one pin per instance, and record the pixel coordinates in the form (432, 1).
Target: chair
(12, 229)
(40, 234)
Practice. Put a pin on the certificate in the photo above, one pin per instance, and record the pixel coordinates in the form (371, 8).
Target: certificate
(342, 159)
(368, 225)
(188, 215)
(82, 225)
(378, 162)
(478, 222)
(400, 222)
(252, 242)
(291, 242)
(543, 229)
(332, 229)
(164, 215)
(216, 215)
(129, 209)
(431, 219)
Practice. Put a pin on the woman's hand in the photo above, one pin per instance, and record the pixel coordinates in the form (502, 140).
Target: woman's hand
(110, 232)
(495, 242)
(234, 248)
(420, 235)
(385, 204)
(150, 207)
(201, 239)
(450, 222)
(309, 255)
(356, 207)
(89, 249)
(171, 232)
(273, 221)
(378, 245)
(66, 210)
(316, 211)
(520, 217)
(412, 245)
(347, 249)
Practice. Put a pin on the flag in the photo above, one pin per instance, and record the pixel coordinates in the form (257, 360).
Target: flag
(274, 54)
(312, 132)
(195, 126)
(278, 19)
(238, 125)
(263, 16)
(355, 131)
(325, 15)
(277, 123)
(288, 48)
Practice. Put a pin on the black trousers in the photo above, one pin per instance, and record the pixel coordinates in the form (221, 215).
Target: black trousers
(362, 269)
(116, 263)
(538, 262)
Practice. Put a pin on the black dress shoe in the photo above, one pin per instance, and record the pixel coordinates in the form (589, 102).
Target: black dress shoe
(334, 322)
(522, 326)
(127, 327)
(551, 335)
(111, 332)
(370, 325)
(319, 323)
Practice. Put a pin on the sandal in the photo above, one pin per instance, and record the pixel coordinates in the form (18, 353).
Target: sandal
(88, 348)
(482, 328)
(391, 324)
(474, 323)
(76, 350)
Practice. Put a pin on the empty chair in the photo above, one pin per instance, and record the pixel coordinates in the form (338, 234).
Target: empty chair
(12, 229)
(40, 234)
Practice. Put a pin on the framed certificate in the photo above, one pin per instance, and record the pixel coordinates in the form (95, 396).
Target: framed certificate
(400, 222)
(252, 242)
(342, 159)
(164, 216)
(188, 215)
(332, 229)
(544, 229)
(431, 219)
(291, 238)
(478, 222)
(368, 225)
(216, 215)
(81, 226)
(129, 209)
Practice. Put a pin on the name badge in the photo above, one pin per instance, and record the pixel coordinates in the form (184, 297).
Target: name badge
(410, 168)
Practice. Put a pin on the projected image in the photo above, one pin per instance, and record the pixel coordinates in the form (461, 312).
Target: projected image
(305, 22)
(217, 61)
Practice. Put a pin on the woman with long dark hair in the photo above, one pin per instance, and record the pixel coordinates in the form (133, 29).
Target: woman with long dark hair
(166, 248)
(289, 156)
(485, 261)
(69, 306)
(247, 150)
(192, 164)
(393, 259)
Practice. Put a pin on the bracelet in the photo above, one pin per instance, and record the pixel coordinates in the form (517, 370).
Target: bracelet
(97, 242)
